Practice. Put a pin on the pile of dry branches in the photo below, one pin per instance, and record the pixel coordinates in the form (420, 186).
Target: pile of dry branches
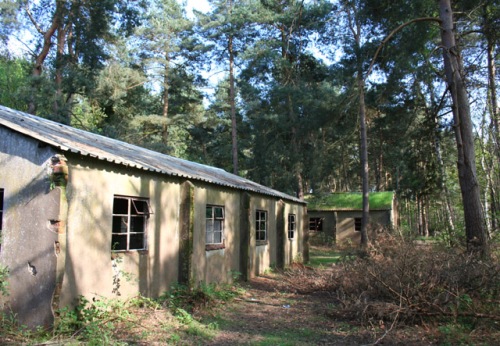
(406, 282)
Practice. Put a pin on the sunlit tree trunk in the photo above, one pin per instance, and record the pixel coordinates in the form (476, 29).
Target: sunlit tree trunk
(58, 79)
(44, 51)
(463, 127)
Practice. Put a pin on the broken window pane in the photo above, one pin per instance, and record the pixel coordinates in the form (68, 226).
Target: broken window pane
(136, 241)
(120, 206)
(118, 242)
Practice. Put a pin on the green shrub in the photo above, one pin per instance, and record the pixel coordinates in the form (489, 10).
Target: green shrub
(4, 275)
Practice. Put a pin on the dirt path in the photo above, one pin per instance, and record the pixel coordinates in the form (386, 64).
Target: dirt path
(272, 312)
(266, 316)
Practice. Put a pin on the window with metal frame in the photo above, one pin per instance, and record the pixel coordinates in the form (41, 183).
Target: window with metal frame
(130, 216)
(261, 225)
(214, 233)
(292, 226)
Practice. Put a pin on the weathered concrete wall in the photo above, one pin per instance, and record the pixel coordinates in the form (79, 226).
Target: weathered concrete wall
(216, 265)
(262, 254)
(28, 236)
(345, 224)
(294, 247)
(339, 225)
(329, 223)
(65, 233)
(91, 267)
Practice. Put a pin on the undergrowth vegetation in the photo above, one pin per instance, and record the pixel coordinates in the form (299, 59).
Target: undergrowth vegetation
(397, 286)
(168, 319)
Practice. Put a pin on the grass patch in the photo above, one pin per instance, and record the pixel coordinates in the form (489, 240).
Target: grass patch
(291, 337)
(326, 257)
(324, 261)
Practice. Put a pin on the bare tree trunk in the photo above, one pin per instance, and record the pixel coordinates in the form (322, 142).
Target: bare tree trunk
(355, 28)
(61, 42)
(473, 213)
(166, 96)
(232, 100)
(495, 120)
(364, 161)
(426, 216)
(420, 221)
(300, 183)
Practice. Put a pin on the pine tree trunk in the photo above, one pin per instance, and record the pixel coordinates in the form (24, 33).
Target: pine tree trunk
(364, 161)
(232, 100)
(44, 52)
(473, 213)
(166, 96)
(57, 105)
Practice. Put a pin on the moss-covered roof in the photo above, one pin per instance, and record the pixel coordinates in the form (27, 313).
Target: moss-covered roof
(349, 201)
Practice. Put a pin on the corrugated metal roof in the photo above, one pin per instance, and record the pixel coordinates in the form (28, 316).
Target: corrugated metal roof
(85, 143)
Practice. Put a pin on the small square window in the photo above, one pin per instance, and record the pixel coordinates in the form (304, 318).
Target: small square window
(292, 226)
(130, 215)
(357, 224)
(214, 233)
(261, 225)
(316, 224)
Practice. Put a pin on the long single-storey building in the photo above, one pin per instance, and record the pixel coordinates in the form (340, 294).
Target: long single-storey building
(82, 214)
(338, 215)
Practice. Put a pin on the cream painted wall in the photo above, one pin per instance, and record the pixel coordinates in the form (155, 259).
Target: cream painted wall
(294, 246)
(216, 265)
(90, 269)
(262, 256)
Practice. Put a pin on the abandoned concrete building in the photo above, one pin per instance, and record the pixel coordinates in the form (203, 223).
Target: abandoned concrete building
(82, 214)
(337, 216)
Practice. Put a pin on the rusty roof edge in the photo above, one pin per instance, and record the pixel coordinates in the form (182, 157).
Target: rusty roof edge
(205, 174)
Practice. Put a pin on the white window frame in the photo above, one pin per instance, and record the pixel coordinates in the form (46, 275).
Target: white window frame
(261, 225)
(211, 221)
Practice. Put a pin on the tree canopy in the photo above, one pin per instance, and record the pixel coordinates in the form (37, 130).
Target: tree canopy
(305, 96)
